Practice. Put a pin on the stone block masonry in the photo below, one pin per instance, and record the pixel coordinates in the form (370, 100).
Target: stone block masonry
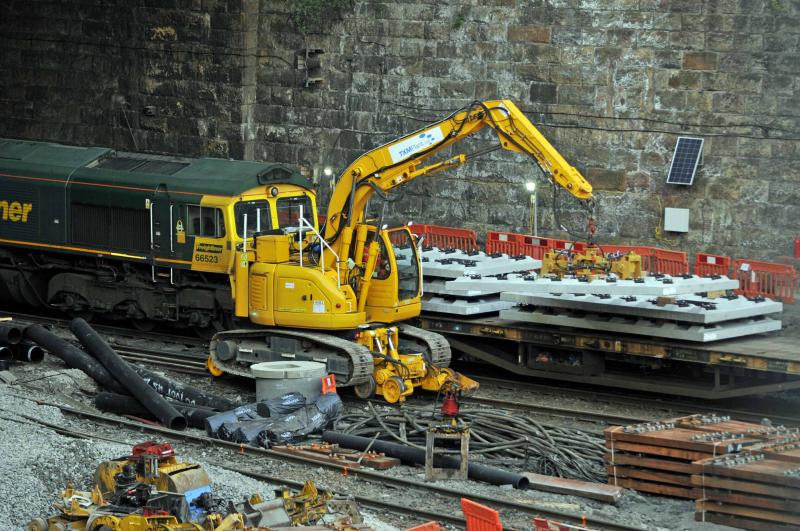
(612, 84)
(161, 76)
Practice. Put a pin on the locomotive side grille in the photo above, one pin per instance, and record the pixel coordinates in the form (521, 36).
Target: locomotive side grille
(130, 229)
(120, 228)
(91, 224)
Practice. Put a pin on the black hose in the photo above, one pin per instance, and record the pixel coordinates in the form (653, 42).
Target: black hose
(131, 381)
(6, 354)
(127, 405)
(10, 335)
(74, 357)
(183, 393)
(416, 456)
(28, 352)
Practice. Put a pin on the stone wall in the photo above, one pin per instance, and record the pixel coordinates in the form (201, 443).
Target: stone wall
(611, 83)
(151, 75)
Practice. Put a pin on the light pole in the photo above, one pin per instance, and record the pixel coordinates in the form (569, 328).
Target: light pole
(533, 222)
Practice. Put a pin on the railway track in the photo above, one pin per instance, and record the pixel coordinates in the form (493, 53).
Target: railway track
(583, 415)
(669, 405)
(190, 358)
(237, 461)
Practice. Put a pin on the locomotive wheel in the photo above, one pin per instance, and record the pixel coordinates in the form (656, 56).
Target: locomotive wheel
(143, 325)
(204, 332)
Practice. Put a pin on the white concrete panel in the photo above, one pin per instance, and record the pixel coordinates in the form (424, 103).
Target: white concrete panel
(648, 286)
(638, 326)
(463, 306)
(715, 310)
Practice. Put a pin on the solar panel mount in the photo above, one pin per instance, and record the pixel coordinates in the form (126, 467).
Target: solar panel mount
(685, 160)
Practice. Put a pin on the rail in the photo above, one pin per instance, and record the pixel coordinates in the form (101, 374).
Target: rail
(361, 473)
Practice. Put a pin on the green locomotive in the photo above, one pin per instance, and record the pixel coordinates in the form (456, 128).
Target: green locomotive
(90, 230)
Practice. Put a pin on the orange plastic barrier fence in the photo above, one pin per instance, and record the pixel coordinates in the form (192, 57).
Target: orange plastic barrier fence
(708, 265)
(479, 517)
(427, 526)
(774, 281)
(568, 245)
(670, 262)
(514, 244)
(447, 237)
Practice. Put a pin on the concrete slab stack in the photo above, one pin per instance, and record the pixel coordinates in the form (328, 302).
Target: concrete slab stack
(439, 267)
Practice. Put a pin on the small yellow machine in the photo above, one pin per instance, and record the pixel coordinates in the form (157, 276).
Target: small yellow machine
(591, 263)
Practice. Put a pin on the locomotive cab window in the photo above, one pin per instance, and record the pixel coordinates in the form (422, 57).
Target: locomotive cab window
(258, 213)
(289, 210)
(206, 222)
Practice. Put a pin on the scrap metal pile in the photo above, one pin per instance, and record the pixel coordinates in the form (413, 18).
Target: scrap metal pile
(499, 437)
(152, 490)
(592, 291)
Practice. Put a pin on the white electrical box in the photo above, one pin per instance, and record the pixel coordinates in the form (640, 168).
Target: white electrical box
(676, 219)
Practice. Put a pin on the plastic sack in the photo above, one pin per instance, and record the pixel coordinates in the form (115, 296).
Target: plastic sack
(241, 413)
(282, 405)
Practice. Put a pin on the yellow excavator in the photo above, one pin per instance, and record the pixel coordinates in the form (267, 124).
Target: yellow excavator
(341, 294)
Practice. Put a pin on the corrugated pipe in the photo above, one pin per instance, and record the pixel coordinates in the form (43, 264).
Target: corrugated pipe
(127, 405)
(410, 455)
(74, 357)
(130, 380)
(10, 335)
(183, 393)
(28, 352)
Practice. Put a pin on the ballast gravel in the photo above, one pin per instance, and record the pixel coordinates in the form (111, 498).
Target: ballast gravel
(36, 463)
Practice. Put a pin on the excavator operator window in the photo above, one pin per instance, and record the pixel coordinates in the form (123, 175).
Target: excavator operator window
(383, 267)
(289, 210)
(405, 252)
(258, 216)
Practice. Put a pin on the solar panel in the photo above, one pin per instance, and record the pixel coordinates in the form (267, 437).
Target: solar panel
(685, 160)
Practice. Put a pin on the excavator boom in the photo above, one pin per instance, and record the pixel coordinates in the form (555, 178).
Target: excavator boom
(400, 161)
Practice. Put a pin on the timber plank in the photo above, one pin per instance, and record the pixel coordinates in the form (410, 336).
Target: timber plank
(762, 502)
(596, 491)
(655, 488)
(740, 522)
(748, 512)
(650, 475)
(751, 429)
(686, 455)
(781, 449)
(765, 471)
(682, 439)
(681, 467)
(751, 487)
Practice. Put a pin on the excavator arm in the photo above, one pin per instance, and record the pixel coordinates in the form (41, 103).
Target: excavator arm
(402, 160)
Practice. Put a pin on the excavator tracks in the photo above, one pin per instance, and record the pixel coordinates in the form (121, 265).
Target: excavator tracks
(337, 353)
(436, 348)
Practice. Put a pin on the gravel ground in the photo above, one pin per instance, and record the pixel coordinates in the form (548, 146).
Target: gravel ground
(37, 462)
(50, 460)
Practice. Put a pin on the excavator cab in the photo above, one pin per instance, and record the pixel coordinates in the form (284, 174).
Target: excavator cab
(395, 290)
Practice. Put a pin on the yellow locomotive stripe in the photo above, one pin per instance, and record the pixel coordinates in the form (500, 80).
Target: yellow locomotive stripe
(92, 251)
(172, 261)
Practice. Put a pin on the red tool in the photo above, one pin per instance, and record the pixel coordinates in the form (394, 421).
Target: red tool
(153, 449)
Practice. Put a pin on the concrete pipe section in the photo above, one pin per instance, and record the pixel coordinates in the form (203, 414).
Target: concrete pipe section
(276, 378)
